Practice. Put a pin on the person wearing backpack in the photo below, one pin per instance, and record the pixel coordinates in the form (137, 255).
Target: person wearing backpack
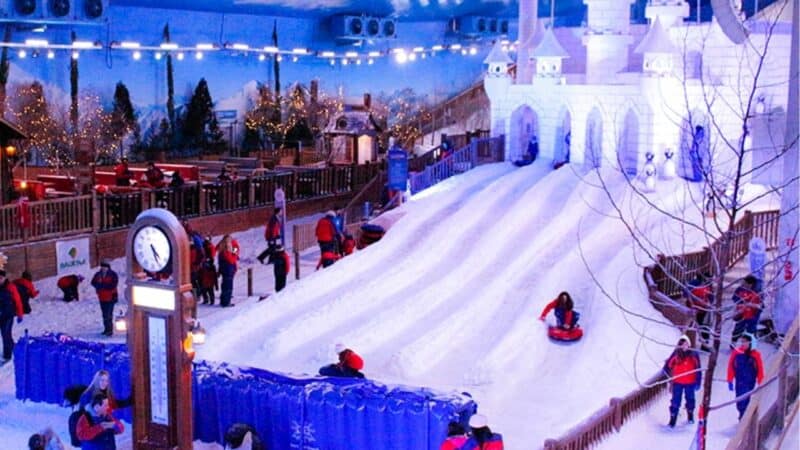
(481, 437)
(97, 427)
(746, 368)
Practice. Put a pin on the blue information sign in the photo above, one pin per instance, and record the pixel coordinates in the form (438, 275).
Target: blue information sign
(398, 168)
(226, 114)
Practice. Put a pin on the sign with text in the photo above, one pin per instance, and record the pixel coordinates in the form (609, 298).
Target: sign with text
(72, 256)
(397, 159)
(226, 115)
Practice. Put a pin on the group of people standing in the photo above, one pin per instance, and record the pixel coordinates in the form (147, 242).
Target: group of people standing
(334, 242)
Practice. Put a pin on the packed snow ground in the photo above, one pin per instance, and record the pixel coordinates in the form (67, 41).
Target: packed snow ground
(449, 299)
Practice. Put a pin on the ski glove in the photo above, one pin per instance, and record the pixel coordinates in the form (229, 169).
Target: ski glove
(19, 319)
(730, 385)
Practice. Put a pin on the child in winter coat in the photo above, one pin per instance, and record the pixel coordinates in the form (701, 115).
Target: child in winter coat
(69, 286)
(744, 366)
(565, 316)
(349, 364)
(481, 437)
(228, 261)
(456, 437)
(683, 368)
(207, 281)
(280, 266)
(348, 245)
(26, 290)
(327, 258)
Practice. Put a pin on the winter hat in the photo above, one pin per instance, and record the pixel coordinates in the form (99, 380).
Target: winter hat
(331, 213)
(105, 263)
(339, 348)
(478, 421)
(684, 338)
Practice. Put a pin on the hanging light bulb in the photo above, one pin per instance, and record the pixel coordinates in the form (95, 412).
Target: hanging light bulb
(137, 55)
(344, 61)
(158, 55)
(279, 58)
(75, 55)
(412, 56)
(358, 62)
(22, 53)
(51, 54)
(370, 61)
(198, 56)
(333, 62)
(295, 58)
(262, 57)
(180, 56)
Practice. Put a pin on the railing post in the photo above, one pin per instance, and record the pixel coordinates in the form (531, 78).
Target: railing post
(781, 401)
(614, 404)
(95, 213)
(251, 192)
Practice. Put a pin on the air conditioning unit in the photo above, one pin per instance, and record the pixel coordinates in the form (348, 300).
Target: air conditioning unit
(24, 9)
(372, 28)
(388, 28)
(91, 10)
(473, 25)
(349, 27)
(59, 9)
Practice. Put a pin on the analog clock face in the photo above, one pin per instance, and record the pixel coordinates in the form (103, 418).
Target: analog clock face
(151, 249)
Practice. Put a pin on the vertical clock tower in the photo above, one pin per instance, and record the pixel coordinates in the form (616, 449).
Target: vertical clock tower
(159, 339)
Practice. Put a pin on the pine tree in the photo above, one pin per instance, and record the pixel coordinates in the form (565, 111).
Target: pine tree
(198, 114)
(216, 137)
(123, 117)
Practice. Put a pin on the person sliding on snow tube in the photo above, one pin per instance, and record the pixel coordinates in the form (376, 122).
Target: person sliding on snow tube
(566, 328)
(348, 366)
(684, 370)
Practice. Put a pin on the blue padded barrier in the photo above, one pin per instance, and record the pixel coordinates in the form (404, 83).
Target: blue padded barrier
(287, 412)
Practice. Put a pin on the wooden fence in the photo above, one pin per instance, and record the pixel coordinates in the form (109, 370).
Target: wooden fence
(769, 406)
(479, 151)
(105, 212)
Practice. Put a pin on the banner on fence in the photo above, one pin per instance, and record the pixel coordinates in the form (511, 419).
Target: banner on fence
(72, 256)
(398, 168)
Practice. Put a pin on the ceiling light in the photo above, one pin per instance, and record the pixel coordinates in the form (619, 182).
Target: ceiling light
(398, 50)
(401, 58)
(358, 62)
(240, 47)
(36, 42)
(295, 58)
(180, 56)
(137, 55)
(22, 54)
(419, 49)
(198, 56)
(204, 46)
(300, 51)
(436, 48)
(129, 44)
(412, 57)
(51, 54)
(473, 51)
(333, 62)
(279, 58)
(83, 44)
(370, 61)
(455, 47)
(464, 51)
(169, 46)
(76, 55)
(351, 54)
(328, 54)
(158, 55)
(344, 61)
(262, 57)
(271, 49)
(374, 54)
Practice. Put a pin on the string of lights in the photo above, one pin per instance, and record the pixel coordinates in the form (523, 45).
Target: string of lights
(401, 55)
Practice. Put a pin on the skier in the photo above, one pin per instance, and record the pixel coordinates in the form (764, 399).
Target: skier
(481, 437)
(684, 370)
(456, 437)
(748, 308)
(744, 366)
(566, 317)
(349, 364)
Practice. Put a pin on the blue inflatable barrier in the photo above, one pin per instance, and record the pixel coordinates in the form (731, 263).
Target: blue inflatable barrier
(287, 412)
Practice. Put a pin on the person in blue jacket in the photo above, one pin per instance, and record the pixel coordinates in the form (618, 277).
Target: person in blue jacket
(481, 437)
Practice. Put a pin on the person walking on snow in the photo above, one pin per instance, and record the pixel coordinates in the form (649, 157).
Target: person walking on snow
(684, 370)
(748, 308)
(272, 234)
(10, 305)
(481, 436)
(747, 369)
(566, 317)
(699, 296)
(327, 235)
(281, 266)
(105, 282)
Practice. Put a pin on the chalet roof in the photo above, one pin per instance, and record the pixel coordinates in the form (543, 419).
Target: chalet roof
(656, 40)
(497, 55)
(352, 122)
(549, 47)
(10, 131)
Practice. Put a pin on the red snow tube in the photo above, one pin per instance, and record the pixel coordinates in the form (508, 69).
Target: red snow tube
(564, 335)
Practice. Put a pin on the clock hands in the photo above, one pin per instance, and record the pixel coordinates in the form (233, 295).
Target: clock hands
(155, 253)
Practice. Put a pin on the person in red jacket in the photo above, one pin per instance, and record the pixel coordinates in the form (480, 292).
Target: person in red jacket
(349, 365)
(154, 176)
(456, 437)
(105, 282)
(123, 173)
(327, 258)
(281, 266)
(272, 234)
(683, 368)
(10, 305)
(97, 429)
(748, 308)
(699, 297)
(348, 245)
(327, 235)
(69, 286)
(565, 316)
(746, 367)
(481, 437)
(227, 263)
(26, 290)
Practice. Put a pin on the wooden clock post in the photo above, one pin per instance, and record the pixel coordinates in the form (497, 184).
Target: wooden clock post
(160, 318)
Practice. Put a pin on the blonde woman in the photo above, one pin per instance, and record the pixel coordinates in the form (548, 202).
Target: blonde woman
(101, 384)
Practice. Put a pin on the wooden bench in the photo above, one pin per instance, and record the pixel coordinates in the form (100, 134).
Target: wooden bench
(243, 163)
(62, 183)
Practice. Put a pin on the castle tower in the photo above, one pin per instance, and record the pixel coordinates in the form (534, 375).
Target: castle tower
(658, 50)
(549, 55)
(606, 39)
(497, 79)
(528, 21)
(669, 12)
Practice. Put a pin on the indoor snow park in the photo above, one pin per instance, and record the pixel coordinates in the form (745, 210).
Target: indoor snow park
(399, 225)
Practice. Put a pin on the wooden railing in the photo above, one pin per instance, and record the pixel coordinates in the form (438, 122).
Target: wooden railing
(671, 273)
(479, 151)
(769, 406)
(610, 418)
(45, 219)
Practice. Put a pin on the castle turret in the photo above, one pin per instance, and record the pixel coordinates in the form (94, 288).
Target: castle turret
(606, 39)
(549, 55)
(658, 50)
(497, 79)
(669, 12)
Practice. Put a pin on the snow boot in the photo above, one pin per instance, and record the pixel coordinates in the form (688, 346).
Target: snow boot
(690, 416)
(672, 419)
